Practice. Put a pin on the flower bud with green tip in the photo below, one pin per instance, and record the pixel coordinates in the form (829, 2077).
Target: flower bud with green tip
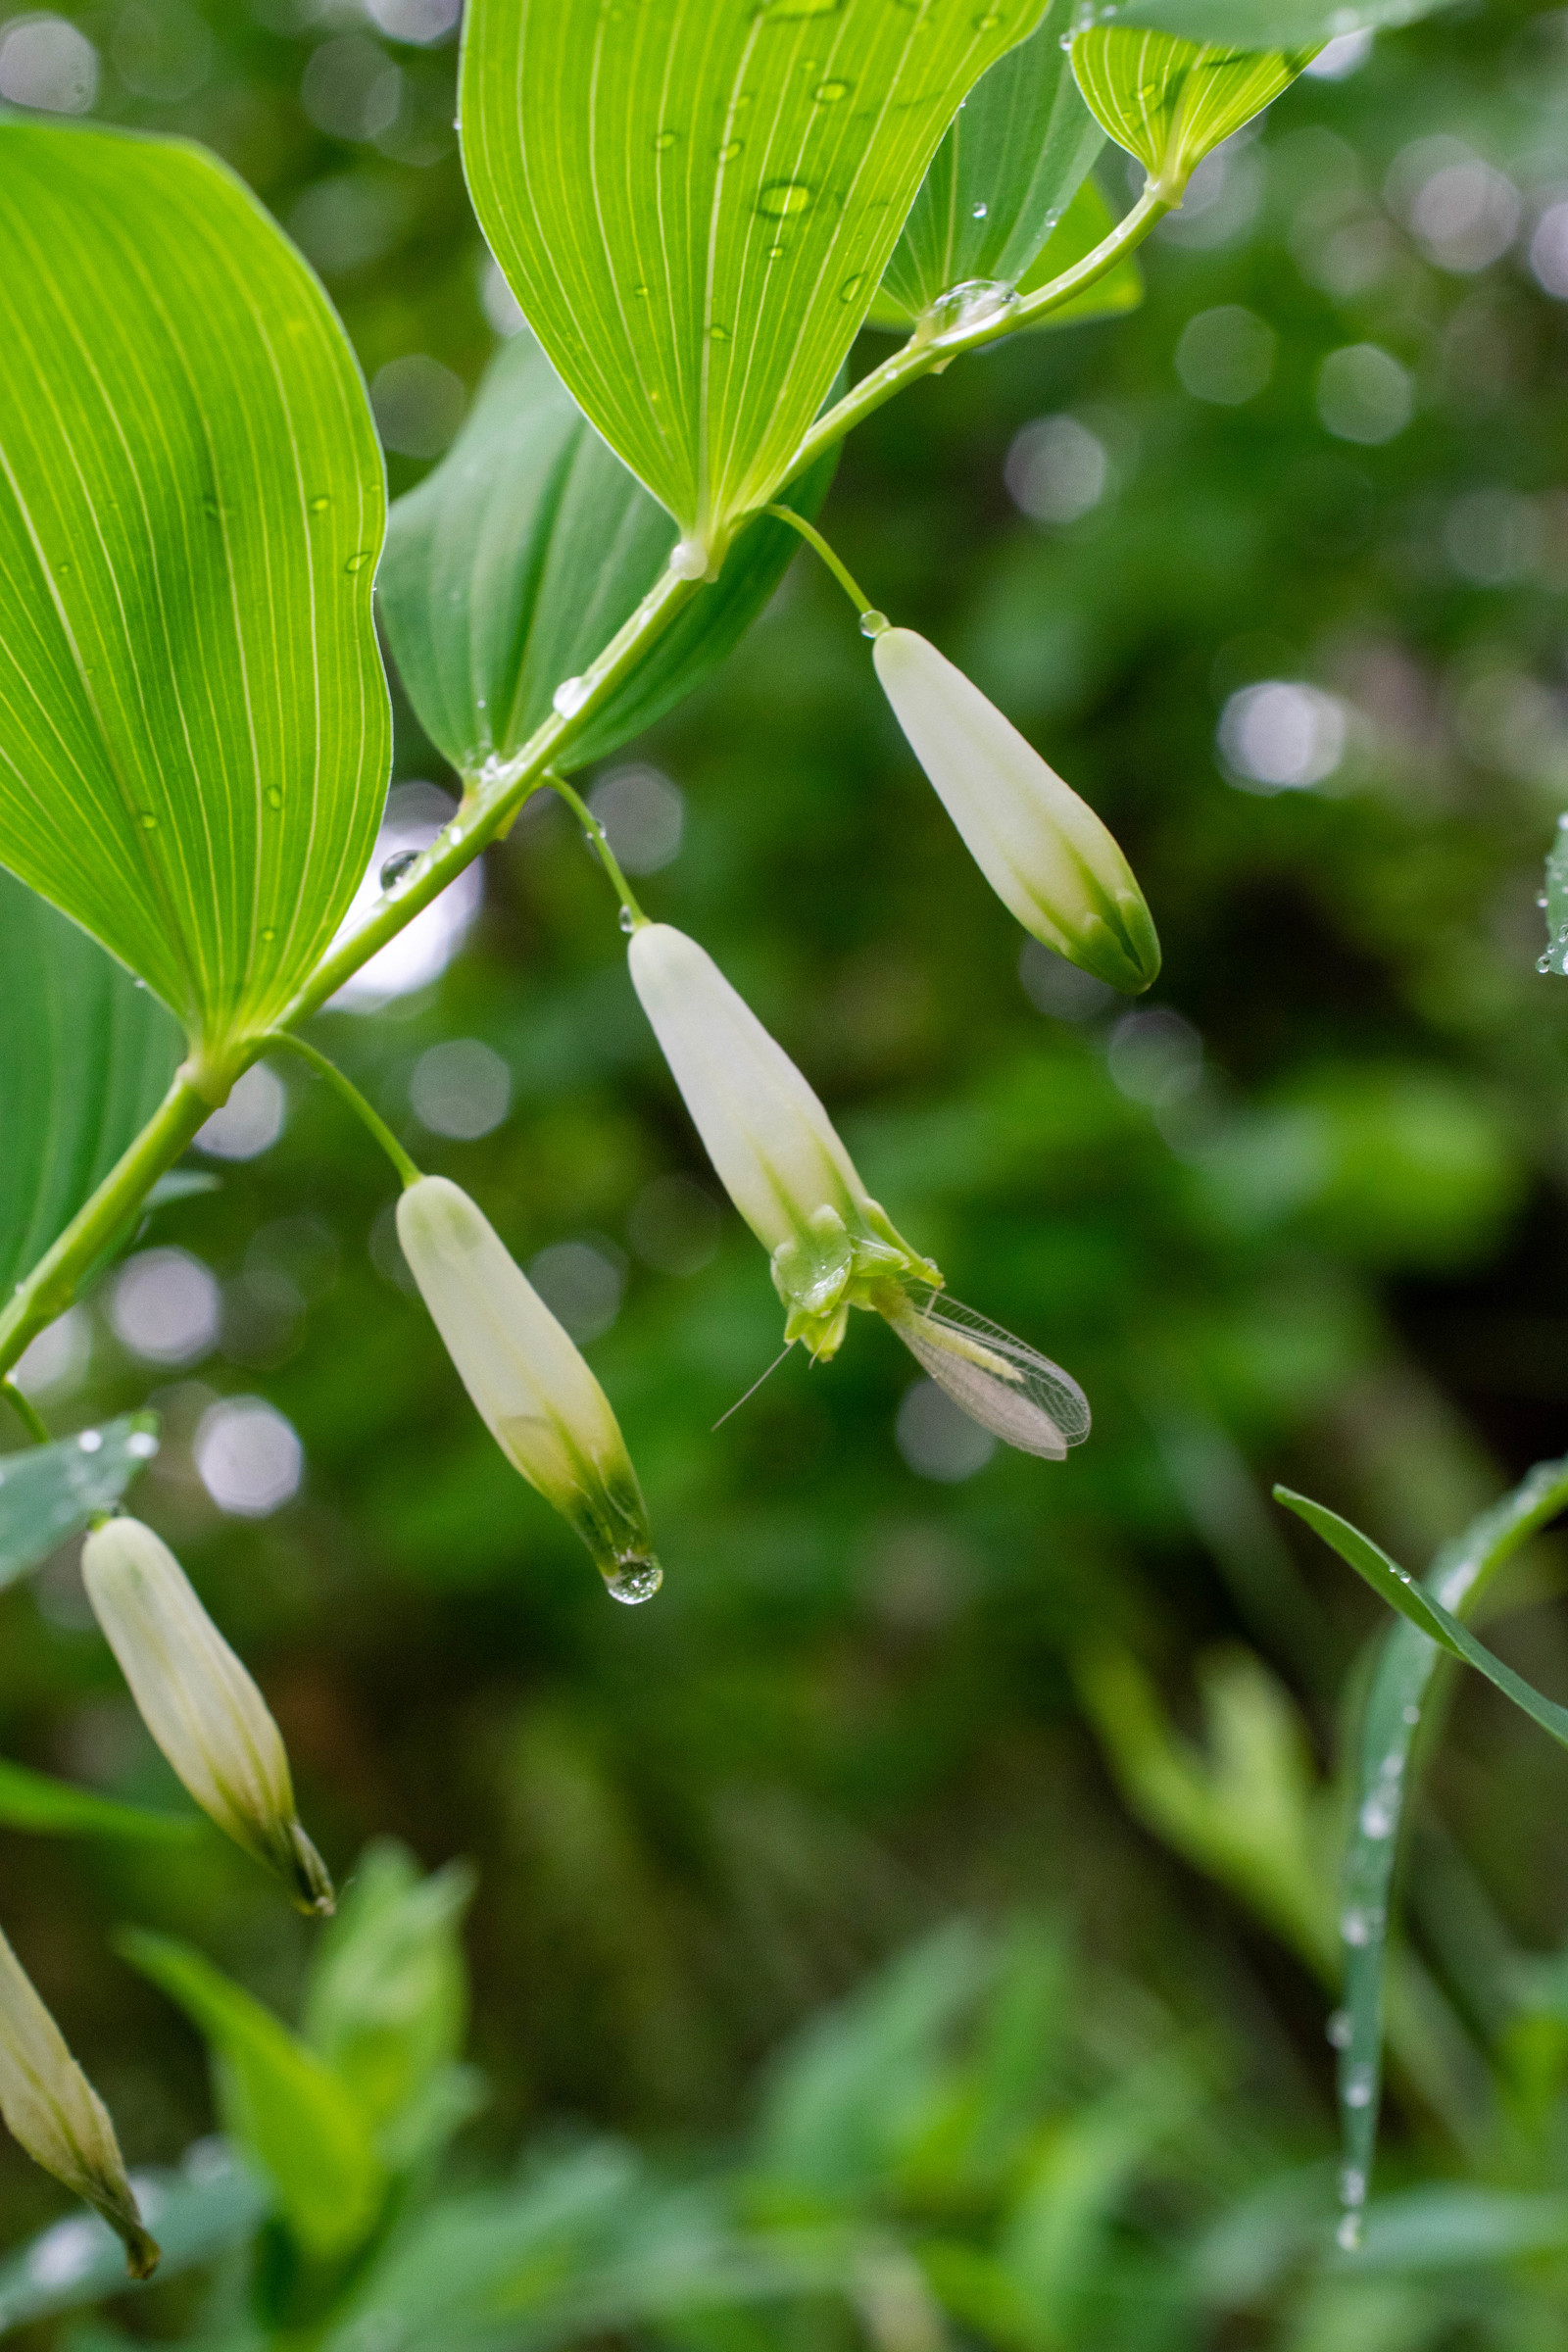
(1043, 850)
(53, 2111)
(199, 1702)
(542, 1405)
(831, 1245)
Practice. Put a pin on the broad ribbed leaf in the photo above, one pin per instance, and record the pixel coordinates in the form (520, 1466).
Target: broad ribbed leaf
(1003, 177)
(1087, 221)
(194, 730)
(48, 1493)
(1169, 102)
(518, 558)
(288, 2109)
(37, 1801)
(1399, 1692)
(695, 200)
(1267, 24)
(85, 1057)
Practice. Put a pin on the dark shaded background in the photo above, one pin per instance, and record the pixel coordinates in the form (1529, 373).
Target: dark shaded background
(1299, 1214)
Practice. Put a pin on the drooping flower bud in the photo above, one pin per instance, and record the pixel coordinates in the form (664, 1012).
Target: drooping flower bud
(1043, 850)
(53, 2111)
(831, 1245)
(543, 1406)
(199, 1702)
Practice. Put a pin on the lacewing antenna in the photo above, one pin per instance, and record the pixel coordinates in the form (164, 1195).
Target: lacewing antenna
(755, 1385)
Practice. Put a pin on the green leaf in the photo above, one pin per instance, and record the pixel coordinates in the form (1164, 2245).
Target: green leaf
(388, 2000)
(1169, 102)
(50, 1492)
(210, 2204)
(1399, 1692)
(284, 2104)
(36, 1800)
(194, 727)
(1423, 1610)
(1001, 179)
(518, 558)
(1555, 959)
(1267, 24)
(695, 200)
(85, 1057)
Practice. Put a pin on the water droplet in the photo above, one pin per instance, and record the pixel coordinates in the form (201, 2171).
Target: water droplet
(1375, 1819)
(688, 560)
(267, 936)
(727, 155)
(359, 560)
(1410, 1714)
(396, 867)
(975, 300)
(628, 921)
(1357, 1928)
(141, 1446)
(1540, 898)
(146, 819)
(1337, 2029)
(664, 140)
(1348, 2236)
(641, 293)
(1356, 2089)
(91, 1440)
(988, 23)
(719, 334)
(1353, 2184)
(1542, 963)
(829, 93)
(275, 799)
(777, 253)
(569, 696)
(62, 569)
(783, 198)
(979, 212)
(874, 625)
(851, 286)
(638, 1581)
(320, 501)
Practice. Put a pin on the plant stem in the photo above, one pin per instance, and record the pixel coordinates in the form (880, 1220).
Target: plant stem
(345, 1086)
(27, 1412)
(916, 358)
(601, 841)
(841, 572)
(52, 1285)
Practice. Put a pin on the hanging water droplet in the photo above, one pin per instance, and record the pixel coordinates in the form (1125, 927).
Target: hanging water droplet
(1337, 2029)
(569, 696)
(874, 625)
(396, 867)
(640, 1581)
(628, 921)
(320, 501)
(978, 212)
(782, 198)
(359, 560)
(829, 93)
(275, 798)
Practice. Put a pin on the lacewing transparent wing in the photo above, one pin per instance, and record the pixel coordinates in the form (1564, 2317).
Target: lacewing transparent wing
(1019, 1395)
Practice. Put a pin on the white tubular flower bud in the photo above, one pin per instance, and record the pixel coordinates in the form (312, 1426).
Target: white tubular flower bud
(1043, 850)
(53, 2111)
(542, 1405)
(199, 1702)
(770, 1141)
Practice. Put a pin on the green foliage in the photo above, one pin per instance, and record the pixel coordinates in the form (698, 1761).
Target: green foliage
(1000, 181)
(51, 1492)
(85, 1055)
(694, 209)
(37, 1801)
(520, 555)
(1171, 102)
(195, 719)
(1266, 24)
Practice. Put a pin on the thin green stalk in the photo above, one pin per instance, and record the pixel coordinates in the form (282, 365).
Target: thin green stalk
(52, 1285)
(27, 1412)
(345, 1086)
(601, 841)
(841, 572)
(919, 358)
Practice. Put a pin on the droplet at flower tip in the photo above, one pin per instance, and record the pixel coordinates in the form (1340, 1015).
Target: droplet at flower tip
(1044, 850)
(199, 1702)
(831, 1246)
(529, 1381)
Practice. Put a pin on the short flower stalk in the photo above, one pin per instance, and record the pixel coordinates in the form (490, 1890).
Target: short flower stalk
(200, 1704)
(831, 1245)
(53, 2111)
(529, 1381)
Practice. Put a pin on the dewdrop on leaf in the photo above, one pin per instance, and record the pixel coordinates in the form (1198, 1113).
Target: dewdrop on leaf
(831, 1245)
(532, 1388)
(199, 1702)
(53, 2111)
(1043, 850)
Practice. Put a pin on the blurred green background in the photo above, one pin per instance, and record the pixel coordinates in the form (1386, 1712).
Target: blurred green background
(1272, 570)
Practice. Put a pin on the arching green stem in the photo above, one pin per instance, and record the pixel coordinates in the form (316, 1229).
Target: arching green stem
(841, 572)
(351, 1095)
(600, 842)
(27, 1412)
